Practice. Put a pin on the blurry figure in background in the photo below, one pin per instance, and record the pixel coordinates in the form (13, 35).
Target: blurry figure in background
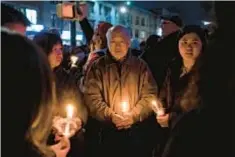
(67, 90)
(142, 47)
(211, 30)
(13, 19)
(96, 39)
(135, 47)
(27, 108)
(81, 54)
(98, 48)
(180, 94)
(55, 31)
(152, 41)
(150, 46)
(166, 49)
(98, 44)
(77, 59)
(114, 79)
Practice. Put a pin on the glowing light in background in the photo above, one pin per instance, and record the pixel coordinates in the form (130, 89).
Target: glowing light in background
(36, 28)
(123, 9)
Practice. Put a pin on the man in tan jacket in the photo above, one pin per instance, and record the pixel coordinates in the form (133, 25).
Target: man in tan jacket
(118, 90)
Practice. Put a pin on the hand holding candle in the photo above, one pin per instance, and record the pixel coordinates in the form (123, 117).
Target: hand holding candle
(157, 109)
(124, 107)
(126, 119)
(67, 126)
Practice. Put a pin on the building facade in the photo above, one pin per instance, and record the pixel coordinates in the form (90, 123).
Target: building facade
(42, 15)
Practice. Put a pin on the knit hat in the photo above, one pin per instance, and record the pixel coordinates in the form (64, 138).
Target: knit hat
(175, 19)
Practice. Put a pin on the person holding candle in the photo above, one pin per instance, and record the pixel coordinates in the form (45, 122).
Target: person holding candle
(183, 75)
(28, 100)
(67, 89)
(118, 91)
(208, 131)
(179, 94)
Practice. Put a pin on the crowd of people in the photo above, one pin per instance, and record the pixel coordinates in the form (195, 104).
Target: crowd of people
(113, 83)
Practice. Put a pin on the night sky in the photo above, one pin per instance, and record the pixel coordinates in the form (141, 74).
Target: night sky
(190, 11)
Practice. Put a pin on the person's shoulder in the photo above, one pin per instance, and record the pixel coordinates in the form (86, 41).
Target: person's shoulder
(100, 53)
(99, 62)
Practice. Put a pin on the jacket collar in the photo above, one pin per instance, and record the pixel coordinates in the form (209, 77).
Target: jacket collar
(110, 60)
(103, 50)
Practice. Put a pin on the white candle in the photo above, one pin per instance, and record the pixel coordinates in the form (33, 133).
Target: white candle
(69, 111)
(73, 60)
(157, 109)
(154, 106)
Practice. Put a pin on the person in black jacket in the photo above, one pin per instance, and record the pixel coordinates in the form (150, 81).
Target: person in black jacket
(66, 86)
(210, 127)
(165, 50)
(27, 102)
(14, 19)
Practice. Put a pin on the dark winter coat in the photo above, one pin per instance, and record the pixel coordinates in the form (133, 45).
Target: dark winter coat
(160, 55)
(176, 91)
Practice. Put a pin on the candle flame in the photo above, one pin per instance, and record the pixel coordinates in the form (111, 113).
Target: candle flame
(125, 106)
(73, 59)
(69, 110)
(154, 103)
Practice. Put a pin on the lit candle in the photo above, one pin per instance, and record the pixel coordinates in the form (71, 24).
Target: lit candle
(124, 107)
(73, 60)
(69, 110)
(158, 110)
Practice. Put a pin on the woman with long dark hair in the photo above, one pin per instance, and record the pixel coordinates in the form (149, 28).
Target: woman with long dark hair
(182, 75)
(179, 93)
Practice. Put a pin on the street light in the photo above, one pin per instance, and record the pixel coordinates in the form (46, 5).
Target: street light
(128, 3)
(123, 9)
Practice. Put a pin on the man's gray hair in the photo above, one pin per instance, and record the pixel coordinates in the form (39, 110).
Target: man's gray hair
(118, 28)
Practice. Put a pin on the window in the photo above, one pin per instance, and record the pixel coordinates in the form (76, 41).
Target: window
(31, 15)
(100, 9)
(142, 22)
(137, 33)
(90, 7)
(137, 20)
(142, 34)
